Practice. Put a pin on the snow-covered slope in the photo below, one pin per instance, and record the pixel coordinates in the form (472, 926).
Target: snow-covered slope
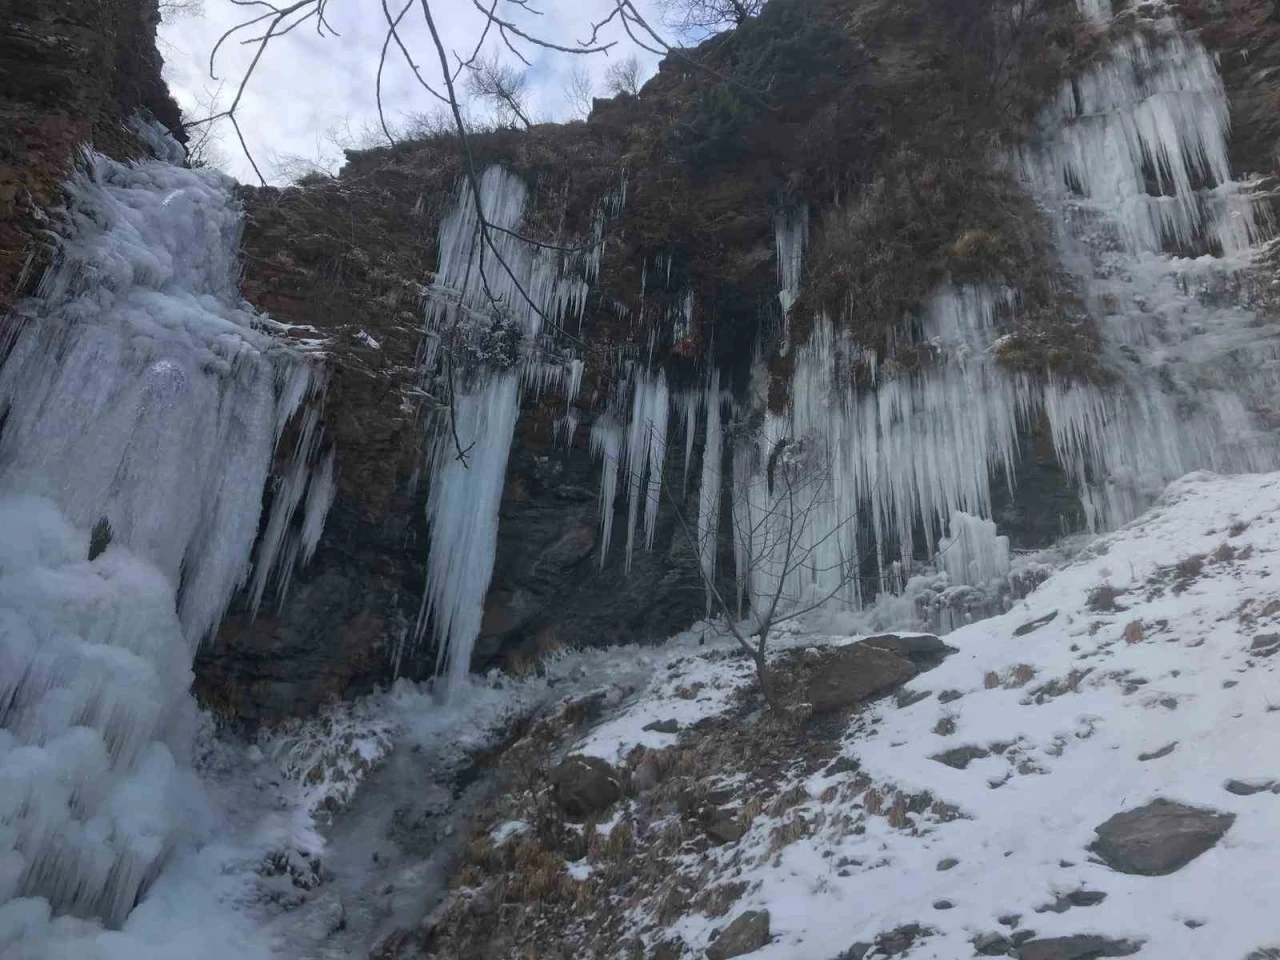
(1148, 676)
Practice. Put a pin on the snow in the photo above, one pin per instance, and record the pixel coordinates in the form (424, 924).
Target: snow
(1067, 760)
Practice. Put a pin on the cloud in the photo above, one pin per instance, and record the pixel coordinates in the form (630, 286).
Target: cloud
(309, 94)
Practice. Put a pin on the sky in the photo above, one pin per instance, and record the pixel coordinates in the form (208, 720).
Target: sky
(311, 95)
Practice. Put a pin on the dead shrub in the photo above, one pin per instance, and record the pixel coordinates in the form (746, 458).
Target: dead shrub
(991, 680)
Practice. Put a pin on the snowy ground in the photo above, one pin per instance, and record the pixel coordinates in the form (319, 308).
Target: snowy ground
(1065, 712)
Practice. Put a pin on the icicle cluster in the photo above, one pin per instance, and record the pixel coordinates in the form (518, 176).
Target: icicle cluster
(522, 288)
(1131, 160)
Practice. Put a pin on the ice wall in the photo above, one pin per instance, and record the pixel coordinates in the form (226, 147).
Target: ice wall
(491, 318)
(141, 399)
(142, 389)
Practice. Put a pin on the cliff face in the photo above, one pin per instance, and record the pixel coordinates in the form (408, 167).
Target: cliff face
(875, 117)
(813, 104)
(71, 73)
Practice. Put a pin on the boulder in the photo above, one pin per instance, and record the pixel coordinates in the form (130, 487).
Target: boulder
(844, 677)
(961, 757)
(1079, 947)
(746, 934)
(924, 650)
(1159, 838)
(585, 786)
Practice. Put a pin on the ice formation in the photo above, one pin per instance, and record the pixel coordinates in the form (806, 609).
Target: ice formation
(791, 233)
(974, 553)
(523, 290)
(141, 398)
(142, 389)
(711, 484)
(646, 454)
(1131, 162)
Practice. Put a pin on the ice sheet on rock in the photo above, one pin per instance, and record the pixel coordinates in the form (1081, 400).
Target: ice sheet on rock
(141, 388)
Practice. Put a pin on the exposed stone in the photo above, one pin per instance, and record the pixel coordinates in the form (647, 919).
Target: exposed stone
(948, 696)
(585, 786)
(1247, 788)
(1076, 898)
(992, 944)
(725, 827)
(1159, 838)
(1265, 644)
(1076, 948)
(948, 863)
(922, 649)
(1036, 624)
(961, 757)
(842, 677)
(901, 939)
(942, 904)
(842, 765)
(746, 934)
(663, 726)
(1164, 751)
(856, 952)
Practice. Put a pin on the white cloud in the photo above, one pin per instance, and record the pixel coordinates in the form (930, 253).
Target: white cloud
(309, 91)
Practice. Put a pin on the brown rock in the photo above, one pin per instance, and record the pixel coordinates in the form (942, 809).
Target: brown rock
(585, 786)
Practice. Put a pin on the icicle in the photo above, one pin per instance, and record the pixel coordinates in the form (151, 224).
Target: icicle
(791, 233)
(142, 389)
(646, 448)
(606, 442)
(462, 509)
(709, 489)
(143, 399)
(687, 403)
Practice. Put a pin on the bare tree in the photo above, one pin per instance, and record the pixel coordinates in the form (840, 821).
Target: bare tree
(623, 77)
(171, 10)
(791, 558)
(692, 17)
(504, 87)
(578, 92)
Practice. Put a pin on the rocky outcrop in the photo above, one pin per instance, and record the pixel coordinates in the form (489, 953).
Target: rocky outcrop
(748, 932)
(71, 73)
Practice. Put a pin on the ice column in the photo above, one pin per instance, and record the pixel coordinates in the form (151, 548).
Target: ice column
(519, 287)
(709, 489)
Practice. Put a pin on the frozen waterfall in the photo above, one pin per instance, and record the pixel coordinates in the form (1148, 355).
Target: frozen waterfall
(141, 399)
